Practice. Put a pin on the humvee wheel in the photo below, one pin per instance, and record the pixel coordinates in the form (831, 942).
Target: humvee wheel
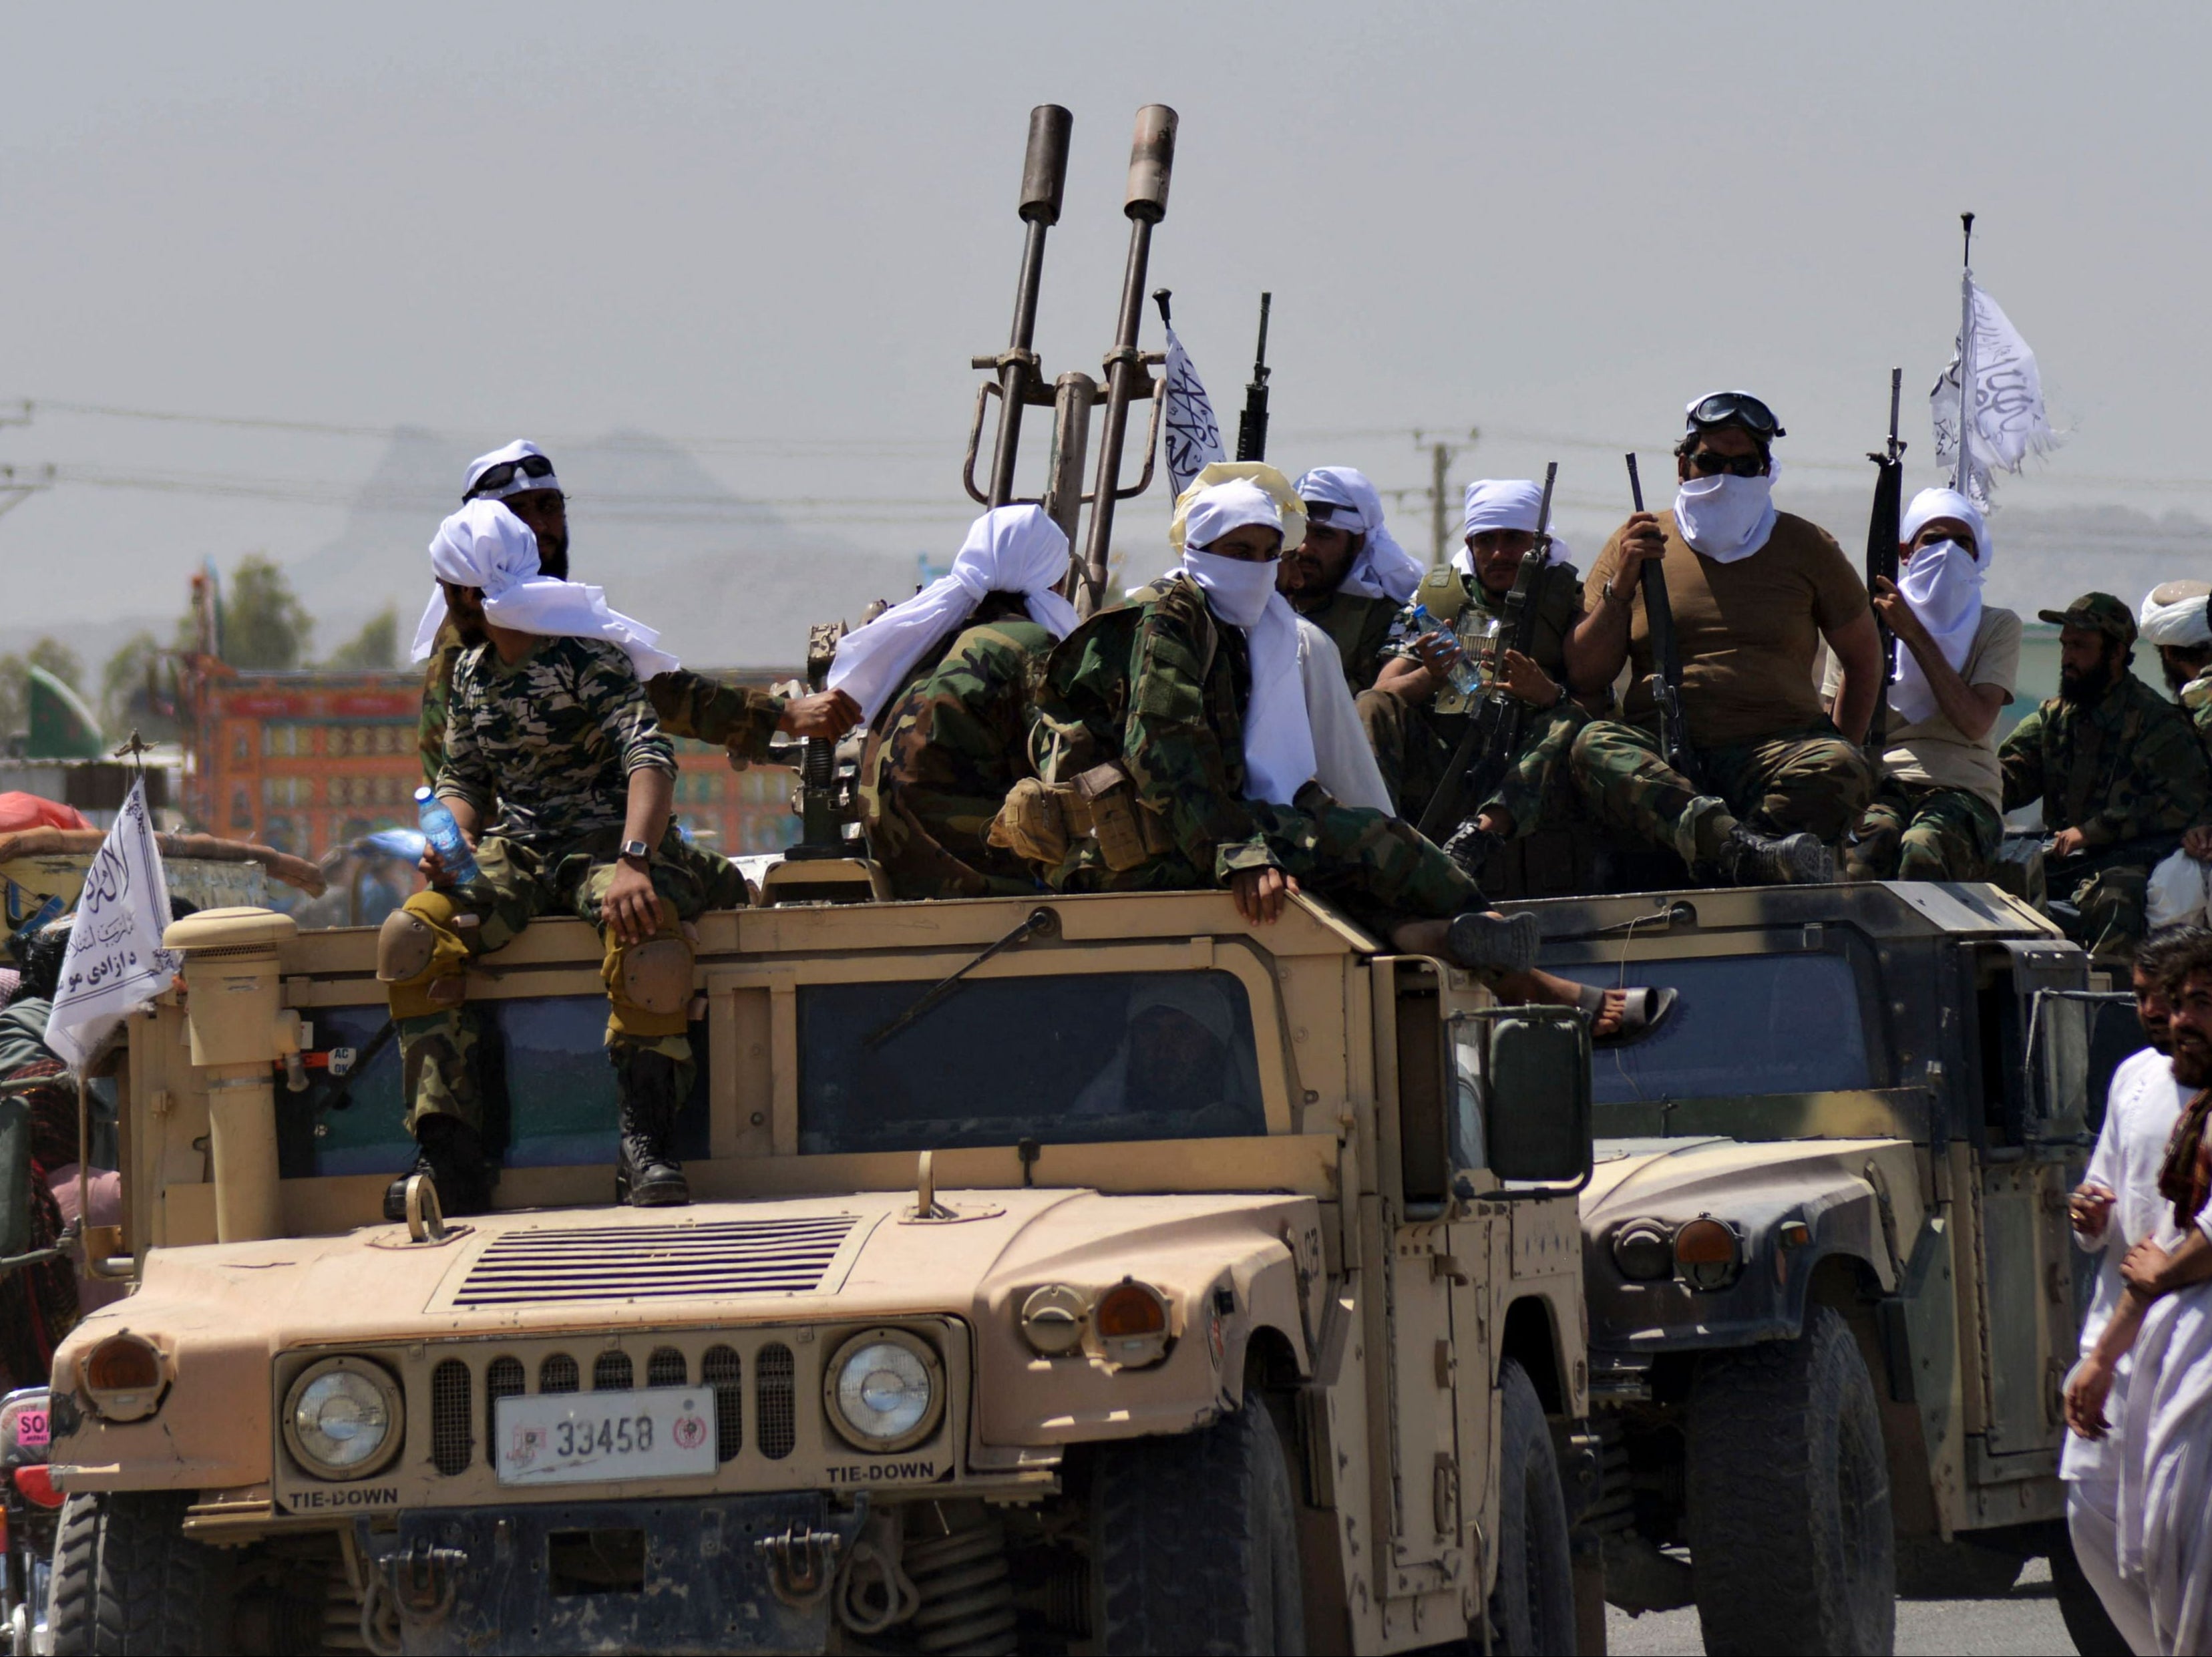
(1195, 1541)
(1791, 1543)
(127, 1581)
(1532, 1609)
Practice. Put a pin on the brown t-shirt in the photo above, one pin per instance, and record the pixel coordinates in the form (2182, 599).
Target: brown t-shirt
(1748, 632)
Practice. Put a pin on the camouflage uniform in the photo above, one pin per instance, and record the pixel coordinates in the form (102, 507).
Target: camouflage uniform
(1159, 685)
(1810, 780)
(688, 704)
(551, 742)
(1919, 833)
(1360, 628)
(942, 753)
(1413, 744)
(2125, 768)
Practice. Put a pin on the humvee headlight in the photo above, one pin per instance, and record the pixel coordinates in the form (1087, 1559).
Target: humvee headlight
(1643, 1252)
(124, 1376)
(1132, 1321)
(884, 1391)
(1053, 1319)
(1707, 1252)
(341, 1418)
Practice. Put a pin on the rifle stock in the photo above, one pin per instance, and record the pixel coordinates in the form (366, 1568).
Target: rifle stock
(1480, 761)
(1882, 530)
(1666, 654)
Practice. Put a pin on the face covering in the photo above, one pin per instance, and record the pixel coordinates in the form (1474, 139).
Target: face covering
(1942, 583)
(1278, 741)
(1726, 517)
(1238, 589)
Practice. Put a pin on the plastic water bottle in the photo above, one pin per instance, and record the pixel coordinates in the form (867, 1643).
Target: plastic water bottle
(444, 837)
(1465, 677)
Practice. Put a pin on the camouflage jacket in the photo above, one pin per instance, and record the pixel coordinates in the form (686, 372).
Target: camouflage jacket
(550, 740)
(2129, 766)
(688, 704)
(1360, 629)
(1158, 684)
(943, 753)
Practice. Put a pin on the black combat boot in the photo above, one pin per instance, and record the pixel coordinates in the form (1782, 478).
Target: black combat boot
(646, 1174)
(1473, 846)
(1495, 942)
(448, 1151)
(1750, 858)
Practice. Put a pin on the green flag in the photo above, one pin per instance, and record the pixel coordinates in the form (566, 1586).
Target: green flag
(62, 726)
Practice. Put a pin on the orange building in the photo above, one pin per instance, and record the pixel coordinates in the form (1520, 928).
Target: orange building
(309, 760)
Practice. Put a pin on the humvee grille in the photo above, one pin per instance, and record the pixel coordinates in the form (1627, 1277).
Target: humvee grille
(666, 1368)
(722, 1370)
(778, 1396)
(655, 1262)
(503, 1379)
(449, 1441)
(612, 1373)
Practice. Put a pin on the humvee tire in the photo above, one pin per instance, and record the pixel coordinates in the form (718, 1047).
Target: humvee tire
(2088, 1624)
(1532, 1609)
(1195, 1541)
(1792, 1540)
(127, 1581)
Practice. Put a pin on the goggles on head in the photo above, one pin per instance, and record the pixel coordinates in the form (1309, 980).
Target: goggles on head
(1733, 408)
(497, 480)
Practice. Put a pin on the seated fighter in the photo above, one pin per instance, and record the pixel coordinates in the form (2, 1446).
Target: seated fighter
(520, 476)
(1349, 576)
(2176, 621)
(1416, 719)
(557, 774)
(1773, 781)
(1935, 814)
(1179, 722)
(942, 682)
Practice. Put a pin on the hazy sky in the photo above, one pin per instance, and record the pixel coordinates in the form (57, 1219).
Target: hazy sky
(786, 229)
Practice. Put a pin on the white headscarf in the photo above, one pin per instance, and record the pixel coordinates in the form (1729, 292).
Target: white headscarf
(521, 448)
(1384, 569)
(1726, 517)
(2173, 613)
(1008, 549)
(484, 545)
(1942, 583)
(1278, 742)
(1503, 503)
(1343, 756)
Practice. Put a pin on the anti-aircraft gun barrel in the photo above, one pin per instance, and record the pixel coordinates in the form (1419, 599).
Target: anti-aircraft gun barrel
(1044, 175)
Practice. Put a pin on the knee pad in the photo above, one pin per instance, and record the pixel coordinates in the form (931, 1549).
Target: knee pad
(649, 987)
(421, 957)
(405, 945)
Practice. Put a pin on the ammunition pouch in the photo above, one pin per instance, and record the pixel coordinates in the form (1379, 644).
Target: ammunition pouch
(1041, 821)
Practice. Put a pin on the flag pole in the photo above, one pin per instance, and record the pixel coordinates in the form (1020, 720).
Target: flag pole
(1961, 469)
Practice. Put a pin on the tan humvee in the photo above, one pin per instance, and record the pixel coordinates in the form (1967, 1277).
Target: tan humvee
(1001, 1328)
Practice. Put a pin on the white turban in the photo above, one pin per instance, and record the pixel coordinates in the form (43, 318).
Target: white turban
(2173, 613)
(1278, 742)
(1384, 569)
(1930, 505)
(521, 449)
(485, 546)
(1942, 583)
(1008, 549)
(1503, 503)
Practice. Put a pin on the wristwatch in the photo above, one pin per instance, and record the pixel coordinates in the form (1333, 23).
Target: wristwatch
(637, 849)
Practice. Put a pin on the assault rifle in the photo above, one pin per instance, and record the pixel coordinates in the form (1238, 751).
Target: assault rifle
(1493, 735)
(1881, 557)
(1665, 653)
(1252, 424)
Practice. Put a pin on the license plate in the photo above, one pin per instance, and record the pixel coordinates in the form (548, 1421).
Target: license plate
(573, 1438)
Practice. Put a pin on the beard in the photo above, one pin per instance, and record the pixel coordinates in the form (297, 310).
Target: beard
(2192, 1060)
(2087, 684)
(553, 556)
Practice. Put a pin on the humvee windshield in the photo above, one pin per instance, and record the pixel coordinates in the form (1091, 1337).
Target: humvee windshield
(1745, 1024)
(1060, 1061)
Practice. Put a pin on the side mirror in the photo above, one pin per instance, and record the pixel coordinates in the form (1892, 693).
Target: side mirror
(2072, 1035)
(1522, 1103)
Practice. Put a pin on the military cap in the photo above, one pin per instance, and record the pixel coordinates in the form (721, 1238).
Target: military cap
(2095, 612)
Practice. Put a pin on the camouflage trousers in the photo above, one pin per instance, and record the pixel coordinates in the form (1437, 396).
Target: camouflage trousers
(2108, 891)
(1810, 780)
(1413, 748)
(1915, 832)
(439, 1045)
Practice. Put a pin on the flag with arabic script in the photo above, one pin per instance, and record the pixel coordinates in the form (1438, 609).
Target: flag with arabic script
(1193, 437)
(2008, 422)
(115, 962)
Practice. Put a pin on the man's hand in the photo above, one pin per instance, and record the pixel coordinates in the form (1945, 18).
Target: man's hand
(1261, 894)
(2088, 1208)
(2085, 1397)
(631, 906)
(1642, 541)
(2143, 1268)
(2066, 843)
(1529, 682)
(827, 714)
(2198, 842)
(1897, 615)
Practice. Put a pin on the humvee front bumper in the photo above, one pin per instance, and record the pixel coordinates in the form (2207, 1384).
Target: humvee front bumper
(723, 1574)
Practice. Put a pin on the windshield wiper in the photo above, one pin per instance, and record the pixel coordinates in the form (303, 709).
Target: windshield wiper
(1042, 922)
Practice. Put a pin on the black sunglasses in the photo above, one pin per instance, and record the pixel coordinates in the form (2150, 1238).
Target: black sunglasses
(1710, 464)
(1736, 409)
(499, 476)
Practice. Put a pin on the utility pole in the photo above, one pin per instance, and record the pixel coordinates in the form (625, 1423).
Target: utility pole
(1440, 456)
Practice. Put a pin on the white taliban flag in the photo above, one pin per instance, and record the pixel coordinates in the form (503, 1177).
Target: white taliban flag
(115, 963)
(1193, 437)
(2009, 423)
